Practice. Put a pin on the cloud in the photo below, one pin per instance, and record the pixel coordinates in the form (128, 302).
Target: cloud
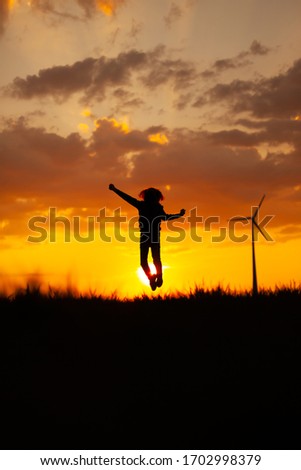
(112, 140)
(90, 7)
(37, 157)
(58, 81)
(275, 97)
(220, 173)
(45, 169)
(279, 96)
(179, 73)
(173, 15)
(127, 99)
(60, 9)
(240, 60)
(90, 76)
(221, 180)
(93, 76)
(230, 92)
(275, 131)
(257, 48)
(182, 101)
(53, 8)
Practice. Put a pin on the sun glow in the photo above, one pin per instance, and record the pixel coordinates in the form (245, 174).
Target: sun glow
(143, 277)
(158, 138)
(11, 4)
(84, 128)
(121, 125)
(86, 112)
(108, 7)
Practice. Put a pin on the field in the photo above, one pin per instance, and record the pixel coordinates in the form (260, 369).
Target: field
(205, 370)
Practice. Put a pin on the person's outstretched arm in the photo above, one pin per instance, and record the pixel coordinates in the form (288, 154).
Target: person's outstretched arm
(175, 216)
(131, 200)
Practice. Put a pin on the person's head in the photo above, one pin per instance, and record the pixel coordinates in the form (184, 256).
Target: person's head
(151, 195)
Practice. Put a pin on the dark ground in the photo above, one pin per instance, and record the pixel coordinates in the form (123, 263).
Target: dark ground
(213, 371)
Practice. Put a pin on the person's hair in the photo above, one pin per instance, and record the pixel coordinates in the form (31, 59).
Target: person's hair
(151, 195)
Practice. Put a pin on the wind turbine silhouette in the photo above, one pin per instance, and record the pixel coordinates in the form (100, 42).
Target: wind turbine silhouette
(253, 219)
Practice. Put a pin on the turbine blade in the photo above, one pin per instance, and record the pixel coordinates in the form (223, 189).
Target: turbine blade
(261, 200)
(256, 211)
(258, 228)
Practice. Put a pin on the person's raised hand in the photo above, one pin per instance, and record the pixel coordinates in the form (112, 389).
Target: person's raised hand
(111, 187)
(182, 212)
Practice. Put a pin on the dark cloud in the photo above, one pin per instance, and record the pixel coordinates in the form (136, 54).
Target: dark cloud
(279, 96)
(276, 131)
(179, 73)
(132, 103)
(126, 99)
(222, 180)
(90, 7)
(237, 138)
(91, 77)
(231, 92)
(240, 60)
(33, 159)
(46, 169)
(257, 48)
(226, 64)
(276, 97)
(219, 172)
(110, 141)
(58, 81)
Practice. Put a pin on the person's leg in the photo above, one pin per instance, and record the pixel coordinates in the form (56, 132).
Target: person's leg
(144, 247)
(155, 249)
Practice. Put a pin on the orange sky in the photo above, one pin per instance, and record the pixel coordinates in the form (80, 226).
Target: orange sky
(198, 98)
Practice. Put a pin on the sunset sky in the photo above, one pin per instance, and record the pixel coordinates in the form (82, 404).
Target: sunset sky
(199, 98)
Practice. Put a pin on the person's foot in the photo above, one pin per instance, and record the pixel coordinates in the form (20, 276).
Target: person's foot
(152, 281)
(159, 281)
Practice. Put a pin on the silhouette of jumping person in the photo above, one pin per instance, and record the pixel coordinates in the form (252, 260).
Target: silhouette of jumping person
(151, 213)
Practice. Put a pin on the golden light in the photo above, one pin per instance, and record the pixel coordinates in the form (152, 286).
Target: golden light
(158, 138)
(3, 223)
(84, 128)
(167, 187)
(11, 4)
(108, 7)
(121, 125)
(143, 277)
(86, 112)
(297, 117)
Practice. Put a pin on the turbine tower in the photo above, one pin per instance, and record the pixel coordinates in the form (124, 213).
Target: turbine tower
(254, 223)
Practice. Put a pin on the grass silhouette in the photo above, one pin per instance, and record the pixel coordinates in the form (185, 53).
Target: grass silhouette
(212, 369)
